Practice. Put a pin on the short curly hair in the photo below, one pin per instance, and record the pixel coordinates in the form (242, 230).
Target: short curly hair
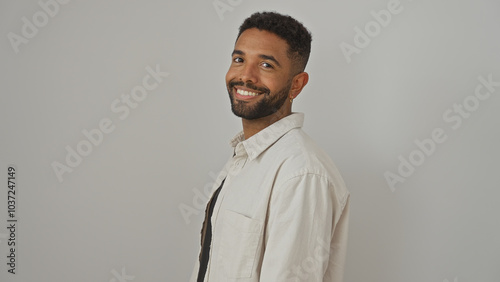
(292, 31)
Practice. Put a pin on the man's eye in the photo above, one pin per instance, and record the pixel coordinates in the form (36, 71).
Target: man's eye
(238, 60)
(267, 65)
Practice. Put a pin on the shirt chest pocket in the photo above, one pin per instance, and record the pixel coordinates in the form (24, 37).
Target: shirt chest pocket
(240, 239)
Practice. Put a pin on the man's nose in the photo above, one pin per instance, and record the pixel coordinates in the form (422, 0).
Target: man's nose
(249, 74)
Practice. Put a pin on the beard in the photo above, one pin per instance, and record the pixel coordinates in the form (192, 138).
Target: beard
(267, 105)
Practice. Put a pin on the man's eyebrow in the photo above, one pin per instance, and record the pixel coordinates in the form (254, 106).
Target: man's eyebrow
(237, 52)
(270, 58)
(262, 56)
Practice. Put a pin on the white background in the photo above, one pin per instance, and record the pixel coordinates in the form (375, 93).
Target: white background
(119, 210)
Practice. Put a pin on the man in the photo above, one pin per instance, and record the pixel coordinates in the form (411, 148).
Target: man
(280, 208)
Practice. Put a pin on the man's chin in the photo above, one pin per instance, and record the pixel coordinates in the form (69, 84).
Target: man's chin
(245, 115)
(251, 116)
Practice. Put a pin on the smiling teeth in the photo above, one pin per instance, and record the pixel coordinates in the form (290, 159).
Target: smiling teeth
(246, 93)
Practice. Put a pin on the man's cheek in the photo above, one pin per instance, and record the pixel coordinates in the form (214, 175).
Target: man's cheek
(230, 75)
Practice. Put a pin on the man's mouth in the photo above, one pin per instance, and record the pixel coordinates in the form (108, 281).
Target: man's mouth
(246, 93)
(242, 94)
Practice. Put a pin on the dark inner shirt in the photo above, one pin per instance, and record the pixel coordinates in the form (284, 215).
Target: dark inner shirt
(205, 248)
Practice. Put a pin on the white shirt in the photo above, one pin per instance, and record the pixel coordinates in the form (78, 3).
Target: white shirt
(282, 214)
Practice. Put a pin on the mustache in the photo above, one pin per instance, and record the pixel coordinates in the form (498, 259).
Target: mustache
(248, 85)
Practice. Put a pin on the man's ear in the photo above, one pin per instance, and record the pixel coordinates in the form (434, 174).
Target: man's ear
(298, 82)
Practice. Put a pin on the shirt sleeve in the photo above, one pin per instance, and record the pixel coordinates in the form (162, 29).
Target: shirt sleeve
(306, 232)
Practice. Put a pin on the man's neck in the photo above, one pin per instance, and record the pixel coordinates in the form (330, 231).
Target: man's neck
(252, 127)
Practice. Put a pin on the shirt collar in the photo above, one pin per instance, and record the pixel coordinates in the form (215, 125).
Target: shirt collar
(262, 140)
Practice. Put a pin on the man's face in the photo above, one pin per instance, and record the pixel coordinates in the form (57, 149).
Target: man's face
(259, 78)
